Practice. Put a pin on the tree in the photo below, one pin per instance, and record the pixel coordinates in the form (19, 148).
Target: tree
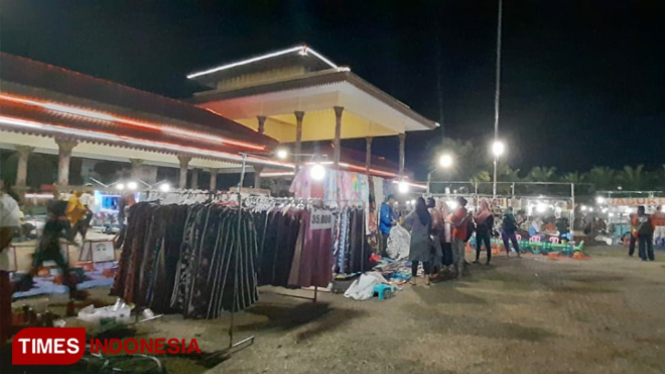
(635, 179)
(603, 178)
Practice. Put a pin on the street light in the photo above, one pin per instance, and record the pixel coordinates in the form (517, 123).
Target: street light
(445, 161)
(497, 149)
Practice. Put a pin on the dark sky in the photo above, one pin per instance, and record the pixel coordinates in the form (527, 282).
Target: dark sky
(582, 83)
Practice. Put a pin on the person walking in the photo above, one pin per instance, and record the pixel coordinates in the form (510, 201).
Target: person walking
(645, 228)
(387, 219)
(9, 220)
(419, 224)
(460, 227)
(484, 225)
(75, 214)
(509, 232)
(56, 227)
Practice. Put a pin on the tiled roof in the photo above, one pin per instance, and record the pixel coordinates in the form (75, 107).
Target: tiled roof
(40, 75)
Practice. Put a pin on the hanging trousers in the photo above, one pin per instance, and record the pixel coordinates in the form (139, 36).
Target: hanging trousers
(483, 238)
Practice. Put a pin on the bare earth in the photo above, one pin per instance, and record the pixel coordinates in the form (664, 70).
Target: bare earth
(533, 315)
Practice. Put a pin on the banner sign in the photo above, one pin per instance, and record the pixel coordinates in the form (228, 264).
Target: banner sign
(634, 201)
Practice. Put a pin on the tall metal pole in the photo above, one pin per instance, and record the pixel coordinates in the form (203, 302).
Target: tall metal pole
(238, 248)
(497, 91)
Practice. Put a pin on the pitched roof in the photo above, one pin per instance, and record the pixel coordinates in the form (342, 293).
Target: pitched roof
(140, 104)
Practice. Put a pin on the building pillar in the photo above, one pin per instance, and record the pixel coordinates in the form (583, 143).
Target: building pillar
(136, 168)
(402, 140)
(184, 164)
(368, 153)
(213, 178)
(257, 175)
(195, 179)
(299, 117)
(65, 148)
(262, 124)
(338, 134)
(22, 170)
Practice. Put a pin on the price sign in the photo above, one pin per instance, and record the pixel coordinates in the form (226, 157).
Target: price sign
(321, 219)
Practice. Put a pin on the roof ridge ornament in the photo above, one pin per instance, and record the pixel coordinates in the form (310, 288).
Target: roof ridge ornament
(302, 50)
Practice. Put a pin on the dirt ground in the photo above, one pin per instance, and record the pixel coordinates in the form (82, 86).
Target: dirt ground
(530, 315)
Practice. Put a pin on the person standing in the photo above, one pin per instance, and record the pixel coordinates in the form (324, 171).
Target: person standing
(9, 220)
(460, 225)
(659, 223)
(124, 203)
(509, 232)
(388, 219)
(484, 225)
(633, 235)
(419, 224)
(644, 226)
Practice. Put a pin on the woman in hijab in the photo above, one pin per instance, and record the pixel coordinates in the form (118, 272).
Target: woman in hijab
(419, 224)
(484, 224)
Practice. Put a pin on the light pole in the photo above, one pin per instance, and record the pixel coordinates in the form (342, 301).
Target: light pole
(445, 161)
(497, 149)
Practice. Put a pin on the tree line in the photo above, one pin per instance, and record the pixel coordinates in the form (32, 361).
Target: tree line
(475, 166)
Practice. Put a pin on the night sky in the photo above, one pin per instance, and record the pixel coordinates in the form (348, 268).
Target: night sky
(582, 82)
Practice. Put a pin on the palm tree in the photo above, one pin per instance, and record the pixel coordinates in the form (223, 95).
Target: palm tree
(602, 177)
(541, 174)
(634, 179)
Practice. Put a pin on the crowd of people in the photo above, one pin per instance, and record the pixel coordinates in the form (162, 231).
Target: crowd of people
(435, 227)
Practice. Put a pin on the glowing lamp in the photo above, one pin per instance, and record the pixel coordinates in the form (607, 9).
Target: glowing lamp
(498, 148)
(446, 161)
(132, 185)
(403, 187)
(120, 186)
(282, 154)
(317, 172)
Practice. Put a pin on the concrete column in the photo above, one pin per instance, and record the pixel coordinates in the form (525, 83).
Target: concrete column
(184, 164)
(257, 176)
(65, 148)
(298, 151)
(195, 179)
(338, 134)
(262, 124)
(136, 167)
(368, 153)
(22, 170)
(213, 178)
(402, 139)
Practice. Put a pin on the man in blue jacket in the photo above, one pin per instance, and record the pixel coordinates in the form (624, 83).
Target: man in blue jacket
(387, 220)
